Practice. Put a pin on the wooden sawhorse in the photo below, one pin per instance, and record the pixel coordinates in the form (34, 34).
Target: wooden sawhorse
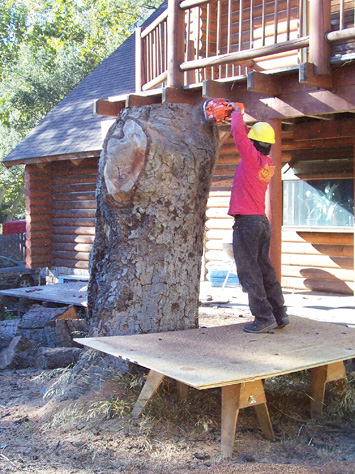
(237, 362)
(234, 398)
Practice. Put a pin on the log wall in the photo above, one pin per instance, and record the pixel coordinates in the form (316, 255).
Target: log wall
(73, 215)
(61, 203)
(38, 212)
(60, 213)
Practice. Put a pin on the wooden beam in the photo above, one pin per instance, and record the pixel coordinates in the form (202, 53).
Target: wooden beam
(341, 35)
(134, 100)
(319, 377)
(153, 380)
(140, 70)
(319, 25)
(274, 200)
(307, 76)
(263, 83)
(217, 89)
(176, 44)
(174, 95)
(247, 57)
(298, 100)
(108, 108)
(327, 130)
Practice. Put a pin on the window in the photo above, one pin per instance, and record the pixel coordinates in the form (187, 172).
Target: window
(318, 203)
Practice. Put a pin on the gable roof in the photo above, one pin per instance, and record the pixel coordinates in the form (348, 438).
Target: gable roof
(71, 130)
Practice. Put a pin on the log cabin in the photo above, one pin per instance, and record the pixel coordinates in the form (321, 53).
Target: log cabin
(291, 62)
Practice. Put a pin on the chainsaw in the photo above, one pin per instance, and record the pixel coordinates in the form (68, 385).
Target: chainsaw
(218, 111)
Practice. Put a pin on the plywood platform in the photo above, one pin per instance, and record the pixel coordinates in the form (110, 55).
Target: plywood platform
(73, 293)
(225, 355)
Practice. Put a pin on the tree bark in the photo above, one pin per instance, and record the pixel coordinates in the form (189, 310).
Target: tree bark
(154, 178)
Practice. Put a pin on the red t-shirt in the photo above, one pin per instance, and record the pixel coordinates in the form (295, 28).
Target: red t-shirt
(252, 175)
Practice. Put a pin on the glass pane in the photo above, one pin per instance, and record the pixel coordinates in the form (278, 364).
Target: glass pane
(318, 203)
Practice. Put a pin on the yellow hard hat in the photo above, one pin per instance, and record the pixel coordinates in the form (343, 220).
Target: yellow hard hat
(262, 132)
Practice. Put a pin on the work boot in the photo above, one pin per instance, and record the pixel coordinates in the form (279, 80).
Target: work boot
(258, 327)
(282, 321)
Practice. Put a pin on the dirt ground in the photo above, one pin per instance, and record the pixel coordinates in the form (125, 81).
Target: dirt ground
(96, 435)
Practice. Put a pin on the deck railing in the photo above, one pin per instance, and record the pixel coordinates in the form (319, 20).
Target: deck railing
(195, 40)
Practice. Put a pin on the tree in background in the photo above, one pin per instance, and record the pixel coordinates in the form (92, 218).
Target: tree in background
(46, 48)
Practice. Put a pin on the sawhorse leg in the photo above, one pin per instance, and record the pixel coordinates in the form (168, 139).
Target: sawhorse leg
(154, 379)
(319, 377)
(235, 397)
(152, 383)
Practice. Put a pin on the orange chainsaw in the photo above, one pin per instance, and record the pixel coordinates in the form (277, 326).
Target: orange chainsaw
(218, 111)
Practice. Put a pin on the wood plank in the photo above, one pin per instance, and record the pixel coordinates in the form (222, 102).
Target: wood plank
(326, 129)
(225, 355)
(153, 381)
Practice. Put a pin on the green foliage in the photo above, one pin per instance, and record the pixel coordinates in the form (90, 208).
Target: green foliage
(46, 48)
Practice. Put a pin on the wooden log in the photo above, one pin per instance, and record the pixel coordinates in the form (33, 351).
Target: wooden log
(322, 261)
(347, 34)
(73, 188)
(342, 238)
(220, 223)
(77, 204)
(176, 46)
(140, 77)
(72, 178)
(317, 249)
(245, 55)
(73, 230)
(77, 239)
(70, 255)
(68, 222)
(66, 246)
(76, 196)
(319, 47)
(144, 283)
(80, 264)
(74, 213)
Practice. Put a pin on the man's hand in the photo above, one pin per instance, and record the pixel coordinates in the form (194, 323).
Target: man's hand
(234, 106)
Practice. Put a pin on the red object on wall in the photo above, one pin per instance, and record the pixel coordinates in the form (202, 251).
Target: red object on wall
(14, 227)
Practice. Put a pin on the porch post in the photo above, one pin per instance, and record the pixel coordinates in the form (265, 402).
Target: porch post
(274, 199)
(319, 25)
(140, 79)
(176, 38)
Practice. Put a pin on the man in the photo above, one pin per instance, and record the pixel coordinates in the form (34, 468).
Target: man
(251, 229)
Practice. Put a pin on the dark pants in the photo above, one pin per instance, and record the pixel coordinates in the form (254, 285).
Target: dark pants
(257, 276)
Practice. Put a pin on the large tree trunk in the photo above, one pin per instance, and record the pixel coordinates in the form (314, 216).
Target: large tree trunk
(153, 183)
(154, 178)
